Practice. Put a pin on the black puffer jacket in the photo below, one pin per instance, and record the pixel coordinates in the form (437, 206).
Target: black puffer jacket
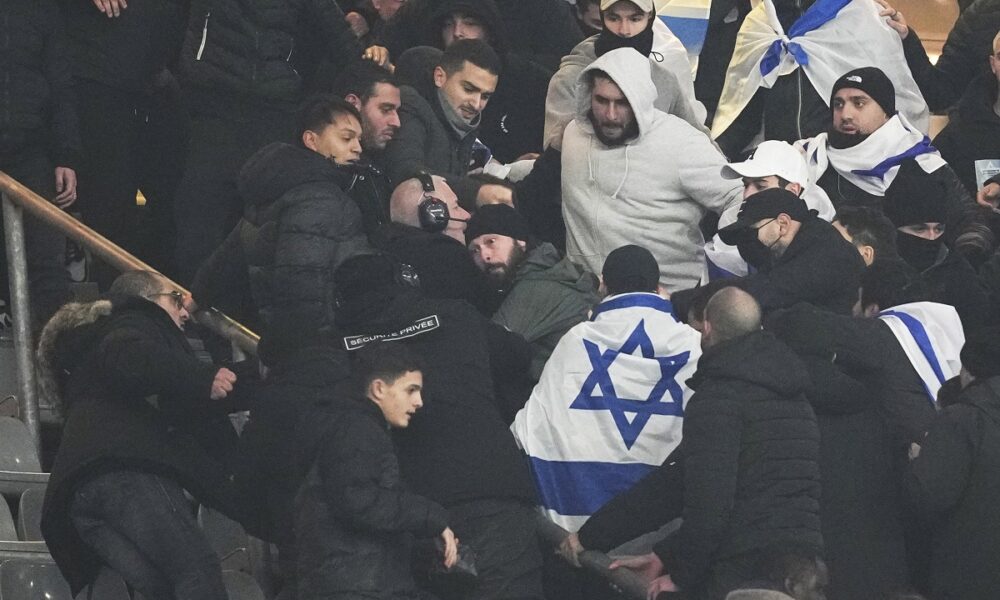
(36, 87)
(751, 460)
(298, 226)
(818, 266)
(354, 520)
(108, 359)
(249, 53)
(127, 51)
(456, 448)
(954, 483)
(963, 58)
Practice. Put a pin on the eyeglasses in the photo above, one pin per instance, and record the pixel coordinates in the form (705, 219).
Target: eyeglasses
(176, 296)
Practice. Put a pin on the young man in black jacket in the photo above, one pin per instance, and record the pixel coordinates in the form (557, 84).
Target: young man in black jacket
(354, 520)
(457, 451)
(145, 422)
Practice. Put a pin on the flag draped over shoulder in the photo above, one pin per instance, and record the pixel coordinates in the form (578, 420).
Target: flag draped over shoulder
(831, 38)
(609, 405)
(931, 334)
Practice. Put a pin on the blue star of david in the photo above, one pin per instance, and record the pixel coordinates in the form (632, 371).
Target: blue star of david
(607, 399)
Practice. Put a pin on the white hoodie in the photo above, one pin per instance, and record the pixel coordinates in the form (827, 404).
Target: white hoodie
(651, 191)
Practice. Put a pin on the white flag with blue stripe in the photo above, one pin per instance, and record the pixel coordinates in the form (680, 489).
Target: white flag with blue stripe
(931, 334)
(608, 408)
(688, 20)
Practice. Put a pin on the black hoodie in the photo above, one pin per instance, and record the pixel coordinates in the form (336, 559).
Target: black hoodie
(973, 132)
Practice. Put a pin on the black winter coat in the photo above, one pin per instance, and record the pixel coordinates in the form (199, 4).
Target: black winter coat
(973, 132)
(818, 266)
(298, 226)
(353, 517)
(456, 448)
(37, 105)
(443, 265)
(426, 141)
(751, 461)
(860, 508)
(515, 115)
(954, 282)
(963, 58)
(127, 51)
(955, 482)
(135, 397)
(249, 53)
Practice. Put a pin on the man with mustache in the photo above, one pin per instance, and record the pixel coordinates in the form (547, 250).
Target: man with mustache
(441, 114)
(870, 148)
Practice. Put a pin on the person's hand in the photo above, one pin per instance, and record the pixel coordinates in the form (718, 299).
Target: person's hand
(570, 549)
(648, 566)
(989, 196)
(914, 451)
(111, 8)
(377, 54)
(660, 585)
(65, 187)
(450, 547)
(223, 383)
(492, 193)
(528, 156)
(190, 304)
(359, 27)
(896, 19)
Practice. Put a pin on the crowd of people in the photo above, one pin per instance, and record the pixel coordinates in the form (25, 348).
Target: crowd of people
(718, 307)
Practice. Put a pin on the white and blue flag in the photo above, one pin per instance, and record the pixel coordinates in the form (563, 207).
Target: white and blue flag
(688, 21)
(931, 334)
(609, 405)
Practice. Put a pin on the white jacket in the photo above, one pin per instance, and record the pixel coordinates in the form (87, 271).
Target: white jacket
(671, 74)
(651, 191)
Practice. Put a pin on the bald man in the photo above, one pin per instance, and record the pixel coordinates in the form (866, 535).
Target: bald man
(747, 464)
(432, 249)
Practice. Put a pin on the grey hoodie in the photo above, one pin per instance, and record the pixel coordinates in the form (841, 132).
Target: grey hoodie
(652, 191)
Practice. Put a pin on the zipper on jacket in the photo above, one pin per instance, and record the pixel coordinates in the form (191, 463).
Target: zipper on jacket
(204, 36)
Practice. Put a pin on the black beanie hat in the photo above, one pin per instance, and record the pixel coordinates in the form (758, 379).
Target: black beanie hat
(498, 219)
(981, 352)
(872, 81)
(630, 269)
(915, 197)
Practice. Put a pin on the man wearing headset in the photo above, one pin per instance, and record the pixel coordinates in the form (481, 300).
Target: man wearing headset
(427, 235)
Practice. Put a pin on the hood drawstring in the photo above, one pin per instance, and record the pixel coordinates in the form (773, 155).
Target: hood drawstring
(625, 176)
(590, 159)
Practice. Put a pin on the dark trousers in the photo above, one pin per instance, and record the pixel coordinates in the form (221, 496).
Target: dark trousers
(208, 205)
(131, 141)
(502, 534)
(48, 281)
(142, 526)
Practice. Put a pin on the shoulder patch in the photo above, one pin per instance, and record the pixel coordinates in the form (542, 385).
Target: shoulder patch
(422, 325)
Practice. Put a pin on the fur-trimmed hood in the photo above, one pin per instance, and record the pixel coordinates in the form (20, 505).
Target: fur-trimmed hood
(67, 334)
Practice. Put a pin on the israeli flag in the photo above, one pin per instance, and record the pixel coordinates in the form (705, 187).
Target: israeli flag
(688, 20)
(931, 334)
(608, 408)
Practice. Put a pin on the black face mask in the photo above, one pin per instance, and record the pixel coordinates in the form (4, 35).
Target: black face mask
(920, 253)
(842, 141)
(755, 252)
(641, 43)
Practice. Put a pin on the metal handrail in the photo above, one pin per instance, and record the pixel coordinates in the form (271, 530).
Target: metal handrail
(628, 583)
(17, 197)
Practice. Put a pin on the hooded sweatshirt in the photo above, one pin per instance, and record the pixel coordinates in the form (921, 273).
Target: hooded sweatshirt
(671, 73)
(652, 190)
